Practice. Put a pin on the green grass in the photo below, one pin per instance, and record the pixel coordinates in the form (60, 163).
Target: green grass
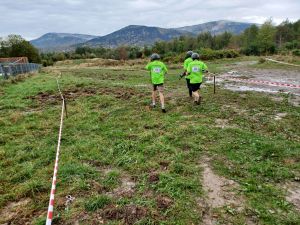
(113, 128)
(97, 202)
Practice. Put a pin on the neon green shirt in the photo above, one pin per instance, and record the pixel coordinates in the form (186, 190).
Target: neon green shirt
(157, 71)
(187, 62)
(195, 70)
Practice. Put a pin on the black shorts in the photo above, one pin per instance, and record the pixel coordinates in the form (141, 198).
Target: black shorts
(188, 81)
(195, 87)
(159, 87)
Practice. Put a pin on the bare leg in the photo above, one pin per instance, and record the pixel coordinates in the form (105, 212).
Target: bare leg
(196, 97)
(162, 99)
(153, 97)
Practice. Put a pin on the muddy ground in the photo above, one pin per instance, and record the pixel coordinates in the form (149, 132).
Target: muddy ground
(246, 72)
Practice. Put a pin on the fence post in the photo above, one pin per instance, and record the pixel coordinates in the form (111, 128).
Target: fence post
(214, 84)
(1, 71)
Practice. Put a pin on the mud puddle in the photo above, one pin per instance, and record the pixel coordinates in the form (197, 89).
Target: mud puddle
(262, 80)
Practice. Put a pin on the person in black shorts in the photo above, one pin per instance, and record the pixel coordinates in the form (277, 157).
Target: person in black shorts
(195, 72)
(157, 71)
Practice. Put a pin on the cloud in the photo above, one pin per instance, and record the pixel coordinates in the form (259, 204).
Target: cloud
(32, 18)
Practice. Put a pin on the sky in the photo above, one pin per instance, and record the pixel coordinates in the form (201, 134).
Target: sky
(33, 18)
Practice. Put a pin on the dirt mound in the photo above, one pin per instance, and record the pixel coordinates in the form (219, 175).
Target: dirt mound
(51, 98)
(153, 177)
(98, 62)
(12, 210)
(72, 94)
(129, 213)
(164, 165)
(163, 202)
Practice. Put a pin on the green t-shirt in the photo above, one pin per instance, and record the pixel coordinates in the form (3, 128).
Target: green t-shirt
(195, 70)
(157, 71)
(187, 62)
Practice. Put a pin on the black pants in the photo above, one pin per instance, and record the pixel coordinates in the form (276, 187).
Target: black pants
(189, 86)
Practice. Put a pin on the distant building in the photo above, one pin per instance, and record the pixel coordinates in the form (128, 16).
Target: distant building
(16, 65)
(14, 60)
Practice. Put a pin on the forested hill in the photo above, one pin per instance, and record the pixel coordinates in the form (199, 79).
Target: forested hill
(217, 27)
(136, 35)
(60, 41)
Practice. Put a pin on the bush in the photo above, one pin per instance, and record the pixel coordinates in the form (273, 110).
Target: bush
(292, 45)
(77, 56)
(174, 58)
(296, 52)
(209, 54)
(205, 54)
(47, 62)
(262, 60)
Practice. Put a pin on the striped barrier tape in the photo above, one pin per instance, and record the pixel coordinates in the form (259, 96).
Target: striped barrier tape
(271, 83)
(53, 187)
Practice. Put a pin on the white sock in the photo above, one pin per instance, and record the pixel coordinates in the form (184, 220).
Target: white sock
(162, 106)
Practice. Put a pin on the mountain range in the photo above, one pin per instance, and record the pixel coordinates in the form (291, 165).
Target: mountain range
(136, 35)
(60, 41)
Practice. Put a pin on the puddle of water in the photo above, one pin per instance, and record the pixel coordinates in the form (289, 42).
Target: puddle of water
(245, 63)
(247, 88)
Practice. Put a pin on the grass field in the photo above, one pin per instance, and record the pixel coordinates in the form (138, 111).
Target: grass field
(128, 164)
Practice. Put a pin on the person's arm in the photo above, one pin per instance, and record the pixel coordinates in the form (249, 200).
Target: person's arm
(147, 67)
(188, 70)
(185, 66)
(165, 69)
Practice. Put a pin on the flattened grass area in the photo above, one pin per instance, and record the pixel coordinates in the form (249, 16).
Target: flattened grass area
(112, 134)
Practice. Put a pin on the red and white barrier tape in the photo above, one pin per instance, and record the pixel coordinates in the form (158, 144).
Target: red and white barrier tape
(271, 83)
(53, 187)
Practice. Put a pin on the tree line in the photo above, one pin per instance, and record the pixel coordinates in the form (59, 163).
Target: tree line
(16, 46)
(256, 40)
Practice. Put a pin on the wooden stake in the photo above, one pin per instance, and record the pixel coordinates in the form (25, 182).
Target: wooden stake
(214, 84)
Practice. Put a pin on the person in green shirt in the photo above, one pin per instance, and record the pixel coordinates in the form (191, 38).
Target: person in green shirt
(157, 72)
(195, 71)
(188, 59)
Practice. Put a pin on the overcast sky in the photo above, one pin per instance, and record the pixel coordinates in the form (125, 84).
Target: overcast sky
(33, 18)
